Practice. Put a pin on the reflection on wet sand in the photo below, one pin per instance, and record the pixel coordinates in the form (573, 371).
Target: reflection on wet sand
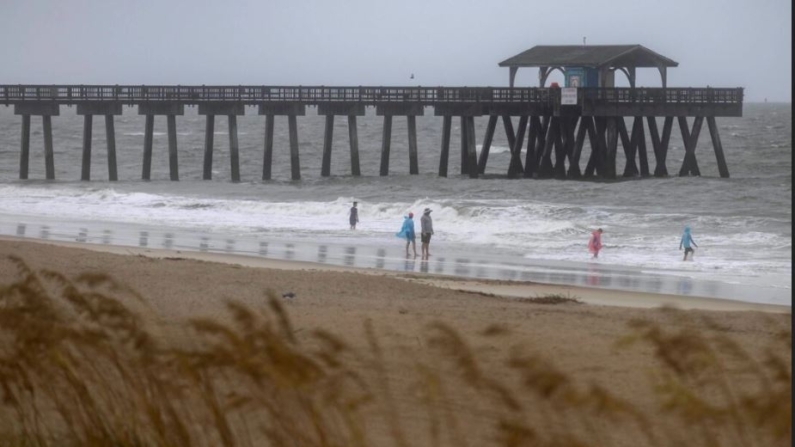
(82, 236)
(143, 239)
(168, 241)
(204, 244)
(379, 260)
(289, 251)
(424, 266)
(350, 256)
(107, 236)
(45, 232)
(263, 249)
(230, 246)
(321, 254)
(21, 230)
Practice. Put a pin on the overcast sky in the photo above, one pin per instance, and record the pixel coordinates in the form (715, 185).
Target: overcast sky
(721, 43)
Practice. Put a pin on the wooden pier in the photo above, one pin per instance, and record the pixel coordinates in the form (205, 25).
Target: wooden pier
(554, 121)
(549, 126)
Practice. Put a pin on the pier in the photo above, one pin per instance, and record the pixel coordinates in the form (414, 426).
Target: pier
(555, 121)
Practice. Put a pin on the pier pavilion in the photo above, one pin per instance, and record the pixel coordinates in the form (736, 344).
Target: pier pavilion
(554, 121)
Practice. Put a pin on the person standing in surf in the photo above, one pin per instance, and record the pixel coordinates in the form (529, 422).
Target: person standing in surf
(595, 243)
(354, 216)
(685, 242)
(426, 230)
(407, 232)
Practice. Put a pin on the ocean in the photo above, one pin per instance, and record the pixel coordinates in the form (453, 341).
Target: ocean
(492, 227)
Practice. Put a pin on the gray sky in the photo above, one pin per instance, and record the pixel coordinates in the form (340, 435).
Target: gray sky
(721, 43)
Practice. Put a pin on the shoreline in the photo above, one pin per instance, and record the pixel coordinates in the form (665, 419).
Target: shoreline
(516, 290)
(388, 256)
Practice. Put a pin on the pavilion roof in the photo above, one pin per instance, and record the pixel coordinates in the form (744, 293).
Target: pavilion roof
(588, 56)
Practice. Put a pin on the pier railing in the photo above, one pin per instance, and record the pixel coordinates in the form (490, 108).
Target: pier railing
(131, 94)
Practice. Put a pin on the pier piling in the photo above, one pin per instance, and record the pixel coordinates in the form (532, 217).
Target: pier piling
(267, 159)
(86, 171)
(295, 161)
(444, 156)
(386, 139)
(149, 129)
(411, 123)
(209, 135)
(486, 147)
(110, 134)
(49, 155)
(24, 153)
(353, 136)
(723, 169)
(325, 169)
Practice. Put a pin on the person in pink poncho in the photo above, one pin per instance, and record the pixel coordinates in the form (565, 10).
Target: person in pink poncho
(595, 243)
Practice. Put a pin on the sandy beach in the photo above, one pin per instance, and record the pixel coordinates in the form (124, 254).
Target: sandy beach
(580, 337)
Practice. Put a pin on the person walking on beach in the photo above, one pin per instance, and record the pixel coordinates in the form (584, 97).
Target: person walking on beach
(354, 216)
(426, 230)
(687, 239)
(407, 232)
(595, 243)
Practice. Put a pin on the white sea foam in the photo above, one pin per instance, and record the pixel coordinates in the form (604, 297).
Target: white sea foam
(726, 245)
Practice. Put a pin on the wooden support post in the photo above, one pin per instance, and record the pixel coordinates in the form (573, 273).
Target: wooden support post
(596, 137)
(386, 141)
(546, 170)
(530, 156)
(515, 166)
(629, 144)
(716, 144)
(149, 127)
(568, 143)
(579, 141)
(412, 127)
(325, 168)
(88, 121)
(49, 154)
(295, 162)
(353, 136)
(560, 149)
(234, 150)
(487, 138)
(541, 143)
(464, 145)
(612, 147)
(660, 145)
(472, 155)
(690, 139)
(209, 134)
(110, 136)
(509, 133)
(24, 150)
(444, 157)
(267, 157)
(173, 162)
(643, 157)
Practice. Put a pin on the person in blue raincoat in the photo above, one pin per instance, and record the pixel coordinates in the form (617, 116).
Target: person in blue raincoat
(687, 239)
(407, 232)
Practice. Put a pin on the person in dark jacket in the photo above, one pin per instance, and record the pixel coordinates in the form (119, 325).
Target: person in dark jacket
(354, 216)
(426, 230)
